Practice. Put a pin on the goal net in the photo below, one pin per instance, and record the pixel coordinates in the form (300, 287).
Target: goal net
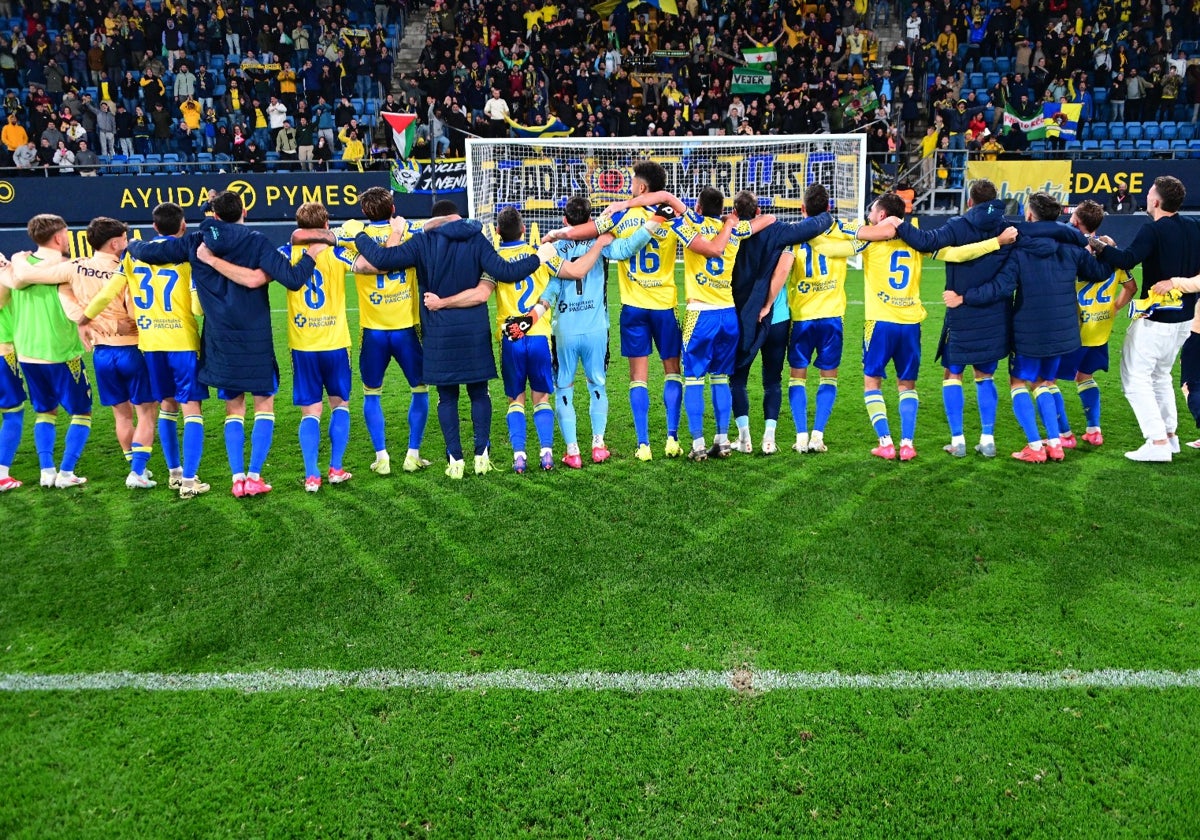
(537, 176)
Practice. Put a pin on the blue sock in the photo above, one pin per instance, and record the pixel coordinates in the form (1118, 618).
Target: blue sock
(1089, 395)
(877, 411)
(639, 403)
(168, 437)
(952, 401)
(193, 443)
(1060, 408)
(373, 417)
(598, 409)
(235, 443)
(447, 412)
(909, 402)
(722, 399)
(141, 457)
(693, 403)
(564, 402)
(1047, 410)
(989, 399)
(1022, 403)
(44, 435)
(673, 400)
(481, 414)
(10, 434)
(77, 437)
(543, 422)
(310, 443)
(515, 418)
(418, 416)
(339, 435)
(798, 400)
(260, 440)
(826, 395)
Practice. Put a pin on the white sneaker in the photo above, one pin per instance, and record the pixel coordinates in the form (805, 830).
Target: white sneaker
(817, 443)
(455, 469)
(68, 479)
(382, 464)
(1150, 452)
(175, 481)
(768, 445)
(48, 476)
(744, 444)
(191, 491)
(801, 444)
(1173, 442)
(140, 482)
(483, 463)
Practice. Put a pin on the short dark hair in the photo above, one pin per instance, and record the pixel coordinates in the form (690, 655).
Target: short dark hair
(377, 204)
(1045, 207)
(444, 207)
(652, 173)
(745, 204)
(227, 206)
(509, 224)
(711, 202)
(816, 200)
(577, 210)
(891, 204)
(102, 229)
(168, 218)
(1090, 214)
(983, 191)
(1170, 192)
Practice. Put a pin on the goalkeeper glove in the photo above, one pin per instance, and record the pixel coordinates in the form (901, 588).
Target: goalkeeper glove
(350, 229)
(516, 326)
(665, 212)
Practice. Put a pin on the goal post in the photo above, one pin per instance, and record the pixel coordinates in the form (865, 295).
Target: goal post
(537, 176)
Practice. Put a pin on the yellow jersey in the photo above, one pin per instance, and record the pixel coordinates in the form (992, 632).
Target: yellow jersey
(892, 275)
(520, 297)
(709, 279)
(165, 305)
(1096, 307)
(816, 287)
(388, 300)
(317, 313)
(647, 279)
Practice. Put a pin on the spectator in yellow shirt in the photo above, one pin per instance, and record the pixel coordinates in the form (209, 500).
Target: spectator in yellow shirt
(13, 134)
(353, 150)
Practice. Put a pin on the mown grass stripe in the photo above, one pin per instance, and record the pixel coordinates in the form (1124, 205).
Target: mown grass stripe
(632, 681)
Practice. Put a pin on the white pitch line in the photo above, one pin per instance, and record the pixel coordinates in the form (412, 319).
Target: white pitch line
(631, 681)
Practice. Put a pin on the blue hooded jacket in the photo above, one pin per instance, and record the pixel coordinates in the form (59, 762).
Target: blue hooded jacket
(449, 259)
(1042, 270)
(752, 271)
(237, 352)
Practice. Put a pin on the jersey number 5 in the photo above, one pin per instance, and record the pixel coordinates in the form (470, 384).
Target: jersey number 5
(899, 276)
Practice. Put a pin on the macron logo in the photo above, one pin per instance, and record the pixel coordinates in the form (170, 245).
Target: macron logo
(144, 323)
(300, 320)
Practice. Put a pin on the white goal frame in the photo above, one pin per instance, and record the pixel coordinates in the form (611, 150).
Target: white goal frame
(752, 162)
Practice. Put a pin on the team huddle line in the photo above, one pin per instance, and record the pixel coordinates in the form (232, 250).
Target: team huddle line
(1040, 293)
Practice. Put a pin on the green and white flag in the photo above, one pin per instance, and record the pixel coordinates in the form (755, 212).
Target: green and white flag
(751, 81)
(1034, 127)
(760, 55)
(865, 100)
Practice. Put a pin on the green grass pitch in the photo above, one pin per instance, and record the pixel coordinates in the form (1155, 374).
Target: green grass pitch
(817, 563)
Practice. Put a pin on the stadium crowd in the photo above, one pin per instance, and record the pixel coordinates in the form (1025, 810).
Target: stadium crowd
(302, 84)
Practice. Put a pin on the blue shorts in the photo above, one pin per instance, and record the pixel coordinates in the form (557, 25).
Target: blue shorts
(987, 369)
(820, 338)
(899, 344)
(12, 391)
(378, 349)
(1085, 360)
(58, 383)
(319, 372)
(121, 375)
(173, 376)
(226, 395)
(710, 342)
(589, 348)
(642, 328)
(526, 360)
(1033, 369)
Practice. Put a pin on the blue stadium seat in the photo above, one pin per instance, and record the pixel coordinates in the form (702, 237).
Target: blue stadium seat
(1194, 149)
(1091, 147)
(1186, 131)
(1170, 131)
(1124, 145)
(1038, 148)
(216, 63)
(991, 79)
(174, 160)
(204, 161)
(1179, 149)
(1004, 64)
(359, 105)
(981, 98)
(1151, 131)
(1162, 148)
(1108, 149)
(1144, 149)
(135, 164)
(975, 80)
(987, 64)
(1117, 132)
(119, 163)
(1134, 132)
(1100, 131)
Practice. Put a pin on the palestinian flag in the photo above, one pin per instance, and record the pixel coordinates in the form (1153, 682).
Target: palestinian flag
(404, 131)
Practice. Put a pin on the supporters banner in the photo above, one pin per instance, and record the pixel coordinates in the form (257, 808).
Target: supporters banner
(1020, 179)
(751, 81)
(1034, 127)
(268, 197)
(417, 176)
